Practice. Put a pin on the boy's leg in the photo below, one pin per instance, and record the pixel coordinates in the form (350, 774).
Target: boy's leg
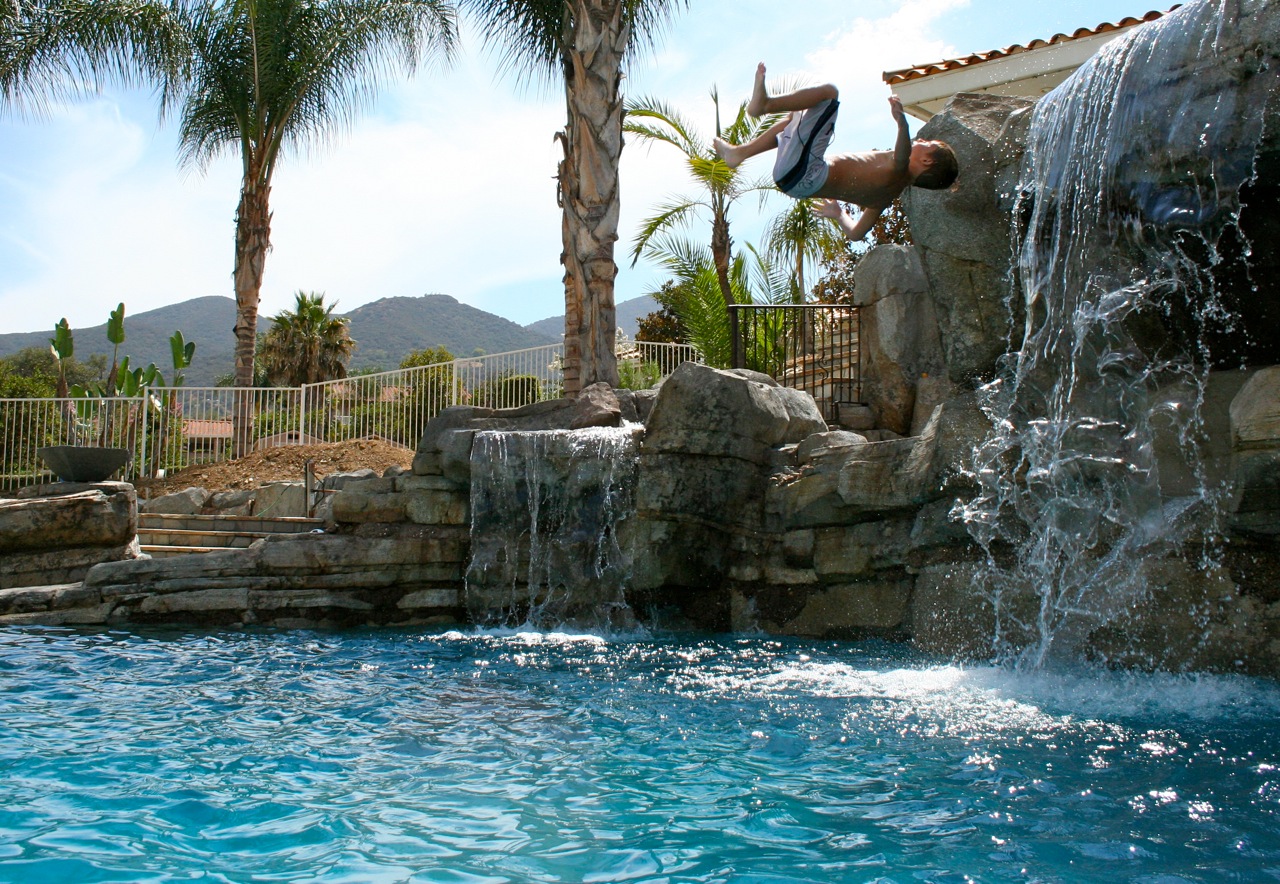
(735, 154)
(762, 103)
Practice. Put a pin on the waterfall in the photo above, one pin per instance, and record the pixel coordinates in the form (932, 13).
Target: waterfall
(1129, 206)
(545, 510)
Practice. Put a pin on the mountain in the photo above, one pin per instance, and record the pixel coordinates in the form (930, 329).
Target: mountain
(207, 321)
(385, 332)
(630, 313)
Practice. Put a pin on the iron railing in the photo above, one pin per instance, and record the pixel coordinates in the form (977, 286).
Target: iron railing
(173, 428)
(810, 347)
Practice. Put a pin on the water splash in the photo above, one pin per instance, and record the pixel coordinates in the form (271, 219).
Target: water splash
(1132, 178)
(545, 510)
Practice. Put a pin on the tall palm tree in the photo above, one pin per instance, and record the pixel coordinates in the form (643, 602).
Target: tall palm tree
(586, 44)
(266, 76)
(308, 344)
(719, 186)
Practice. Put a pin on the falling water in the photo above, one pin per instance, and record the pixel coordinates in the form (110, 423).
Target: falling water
(1131, 186)
(545, 509)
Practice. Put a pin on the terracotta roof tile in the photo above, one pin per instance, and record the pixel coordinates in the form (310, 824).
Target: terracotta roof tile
(207, 429)
(950, 64)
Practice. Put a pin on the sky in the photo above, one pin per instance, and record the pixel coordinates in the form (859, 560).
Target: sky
(445, 184)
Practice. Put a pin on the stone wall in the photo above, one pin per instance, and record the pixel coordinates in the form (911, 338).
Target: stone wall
(53, 534)
(749, 514)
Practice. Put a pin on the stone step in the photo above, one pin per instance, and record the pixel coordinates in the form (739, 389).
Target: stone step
(188, 537)
(232, 524)
(168, 552)
(161, 535)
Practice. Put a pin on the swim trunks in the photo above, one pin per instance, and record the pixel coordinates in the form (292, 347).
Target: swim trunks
(800, 170)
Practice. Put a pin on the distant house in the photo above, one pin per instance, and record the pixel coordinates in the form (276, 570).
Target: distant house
(1028, 71)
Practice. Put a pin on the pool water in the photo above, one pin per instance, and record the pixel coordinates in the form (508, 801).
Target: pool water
(467, 757)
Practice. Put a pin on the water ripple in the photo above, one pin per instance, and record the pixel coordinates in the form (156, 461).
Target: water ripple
(517, 757)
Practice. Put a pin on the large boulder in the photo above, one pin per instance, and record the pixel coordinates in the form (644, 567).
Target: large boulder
(713, 441)
(963, 233)
(737, 413)
(54, 533)
(899, 335)
(187, 502)
(445, 447)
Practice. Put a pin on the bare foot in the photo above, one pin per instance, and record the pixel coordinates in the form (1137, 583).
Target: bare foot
(730, 153)
(758, 103)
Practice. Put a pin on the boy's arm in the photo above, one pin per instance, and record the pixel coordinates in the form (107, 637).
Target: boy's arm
(901, 147)
(853, 230)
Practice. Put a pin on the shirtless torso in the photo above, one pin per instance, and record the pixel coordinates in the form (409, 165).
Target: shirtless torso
(870, 179)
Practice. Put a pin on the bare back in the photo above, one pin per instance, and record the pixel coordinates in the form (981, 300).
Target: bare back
(866, 179)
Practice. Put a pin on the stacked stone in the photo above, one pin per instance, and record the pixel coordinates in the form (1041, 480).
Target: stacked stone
(53, 534)
(751, 515)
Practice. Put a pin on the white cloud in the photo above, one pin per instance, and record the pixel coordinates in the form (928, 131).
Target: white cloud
(856, 56)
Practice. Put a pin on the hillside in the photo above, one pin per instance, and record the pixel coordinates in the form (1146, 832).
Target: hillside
(388, 329)
(630, 312)
(384, 331)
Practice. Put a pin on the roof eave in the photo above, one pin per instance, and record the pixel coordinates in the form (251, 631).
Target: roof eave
(1029, 73)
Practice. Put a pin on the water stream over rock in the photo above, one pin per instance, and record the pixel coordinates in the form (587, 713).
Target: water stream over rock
(546, 506)
(1129, 215)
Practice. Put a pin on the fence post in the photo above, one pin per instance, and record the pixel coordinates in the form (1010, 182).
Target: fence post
(302, 413)
(454, 394)
(141, 456)
(735, 338)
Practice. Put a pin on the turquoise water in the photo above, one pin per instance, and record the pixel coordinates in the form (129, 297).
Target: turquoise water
(390, 756)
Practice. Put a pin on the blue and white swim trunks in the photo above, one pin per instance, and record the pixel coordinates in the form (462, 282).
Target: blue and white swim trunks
(800, 170)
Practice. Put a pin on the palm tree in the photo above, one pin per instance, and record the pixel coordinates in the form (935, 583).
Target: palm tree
(586, 43)
(799, 238)
(308, 344)
(720, 186)
(56, 49)
(265, 76)
(693, 292)
(258, 77)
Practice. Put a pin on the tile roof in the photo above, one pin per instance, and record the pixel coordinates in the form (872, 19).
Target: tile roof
(207, 429)
(951, 64)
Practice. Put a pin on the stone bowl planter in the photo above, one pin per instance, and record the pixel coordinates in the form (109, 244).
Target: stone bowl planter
(81, 463)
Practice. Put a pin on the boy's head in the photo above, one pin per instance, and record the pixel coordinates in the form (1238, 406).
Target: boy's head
(933, 165)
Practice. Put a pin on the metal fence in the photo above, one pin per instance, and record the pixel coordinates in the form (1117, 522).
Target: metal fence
(811, 347)
(172, 428)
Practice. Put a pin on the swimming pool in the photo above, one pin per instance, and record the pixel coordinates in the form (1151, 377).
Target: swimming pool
(468, 757)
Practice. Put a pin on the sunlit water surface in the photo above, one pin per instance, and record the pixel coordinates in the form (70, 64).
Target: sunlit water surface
(390, 756)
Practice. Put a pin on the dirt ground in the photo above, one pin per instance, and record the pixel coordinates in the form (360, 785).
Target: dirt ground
(285, 464)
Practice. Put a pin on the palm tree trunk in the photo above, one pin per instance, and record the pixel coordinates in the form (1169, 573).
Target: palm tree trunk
(253, 240)
(721, 245)
(588, 174)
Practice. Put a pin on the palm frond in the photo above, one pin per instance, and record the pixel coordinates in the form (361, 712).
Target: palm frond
(669, 216)
(673, 128)
(279, 74)
(768, 280)
(60, 49)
